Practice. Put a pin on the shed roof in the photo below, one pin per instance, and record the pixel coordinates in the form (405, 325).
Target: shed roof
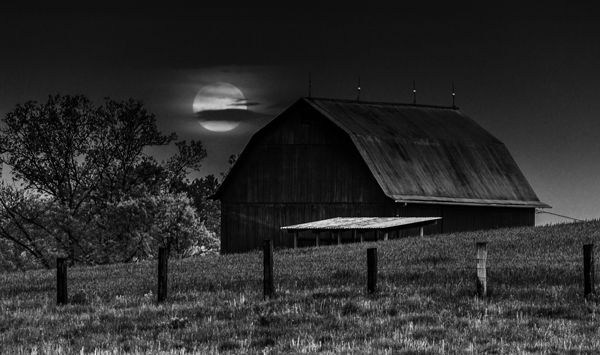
(429, 154)
(363, 223)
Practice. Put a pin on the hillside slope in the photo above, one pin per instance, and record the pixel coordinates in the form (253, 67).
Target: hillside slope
(425, 304)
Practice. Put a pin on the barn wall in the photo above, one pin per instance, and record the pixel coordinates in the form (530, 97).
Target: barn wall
(290, 161)
(299, 168)
(467, 218)
(302, 168)
(477, 218)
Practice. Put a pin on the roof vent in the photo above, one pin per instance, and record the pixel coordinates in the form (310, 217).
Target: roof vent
(414, 93)
(453, 97)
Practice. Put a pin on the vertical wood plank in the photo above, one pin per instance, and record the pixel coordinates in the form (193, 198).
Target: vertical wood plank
(163, 268)
(481, 269)
(354, 236)
(339, 237)
(588, 270)
(61, 281)
(372, 270)
(318, 238)
(268, 282)
(421, 231)
(385, 235)
(362, 236)
(295, 240)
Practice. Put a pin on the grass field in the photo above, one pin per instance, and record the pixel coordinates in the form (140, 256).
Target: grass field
(426, 302)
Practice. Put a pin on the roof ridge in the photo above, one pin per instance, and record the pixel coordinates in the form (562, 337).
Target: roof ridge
(454, 108)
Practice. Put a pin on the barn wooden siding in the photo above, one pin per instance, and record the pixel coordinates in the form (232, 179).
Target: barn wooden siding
(303, 167)
(297, 169)
(291, 162)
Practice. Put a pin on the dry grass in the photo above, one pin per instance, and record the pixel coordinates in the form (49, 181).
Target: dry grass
(425, 304)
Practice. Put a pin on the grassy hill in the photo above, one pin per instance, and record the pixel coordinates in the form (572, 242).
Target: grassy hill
(426, 302)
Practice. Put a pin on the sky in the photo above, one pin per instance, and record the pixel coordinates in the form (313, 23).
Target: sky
(528, 72)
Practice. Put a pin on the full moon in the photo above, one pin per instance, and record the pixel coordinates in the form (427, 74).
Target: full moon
(216, 97)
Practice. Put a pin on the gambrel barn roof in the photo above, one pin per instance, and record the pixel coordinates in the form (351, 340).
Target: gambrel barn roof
(428, 154)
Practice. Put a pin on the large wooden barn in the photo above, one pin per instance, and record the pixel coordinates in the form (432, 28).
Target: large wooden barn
(324, 158)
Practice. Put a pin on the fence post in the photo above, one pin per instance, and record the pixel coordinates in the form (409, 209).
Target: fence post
(588, 270)
(61, 281)
(372, 270)
(482, 270)
(268, 284)
(163, 267)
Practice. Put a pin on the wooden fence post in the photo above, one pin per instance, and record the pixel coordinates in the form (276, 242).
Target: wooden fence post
(588, 270)
(482, 270)
(61, 281)
(372, 270)
(269, 283)
(163, 268)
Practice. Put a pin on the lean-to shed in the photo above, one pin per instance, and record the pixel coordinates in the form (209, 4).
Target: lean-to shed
(325, 158)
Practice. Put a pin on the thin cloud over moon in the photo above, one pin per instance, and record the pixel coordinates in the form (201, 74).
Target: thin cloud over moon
(246, 102)
(218, 97)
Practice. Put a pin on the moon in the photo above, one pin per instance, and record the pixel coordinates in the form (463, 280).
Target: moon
(217, 97)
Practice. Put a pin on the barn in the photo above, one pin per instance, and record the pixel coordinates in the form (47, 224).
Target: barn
(326, 158)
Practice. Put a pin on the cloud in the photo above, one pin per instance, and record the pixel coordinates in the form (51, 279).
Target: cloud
(231, 115)
(245, 102)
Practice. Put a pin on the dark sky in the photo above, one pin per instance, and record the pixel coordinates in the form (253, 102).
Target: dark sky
(528, 73)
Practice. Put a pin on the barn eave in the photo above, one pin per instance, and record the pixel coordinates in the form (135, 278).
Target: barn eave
(468, 202)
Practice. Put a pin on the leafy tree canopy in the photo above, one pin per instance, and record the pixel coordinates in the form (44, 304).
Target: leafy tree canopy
(75, 163)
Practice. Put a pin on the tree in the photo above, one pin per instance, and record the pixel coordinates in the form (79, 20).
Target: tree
(200, 190)
(18, 210)
(151, 220)
(72, 161)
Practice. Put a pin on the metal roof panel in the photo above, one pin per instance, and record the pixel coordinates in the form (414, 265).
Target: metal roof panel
(362, 223)
(431, 153)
